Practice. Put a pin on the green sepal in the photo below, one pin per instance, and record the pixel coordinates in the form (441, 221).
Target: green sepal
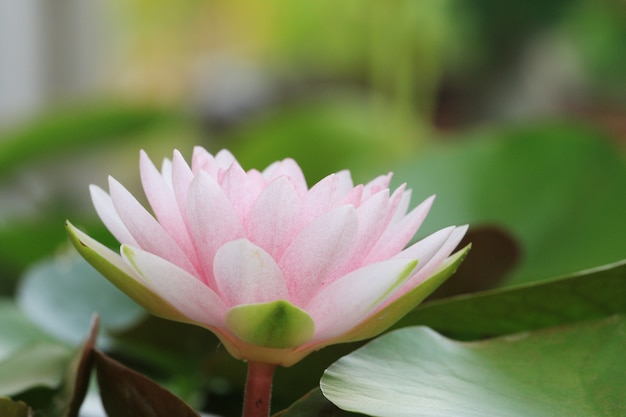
(112, 267)
(277, 324)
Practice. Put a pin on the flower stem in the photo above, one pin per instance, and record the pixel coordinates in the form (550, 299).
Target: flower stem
(256, 402)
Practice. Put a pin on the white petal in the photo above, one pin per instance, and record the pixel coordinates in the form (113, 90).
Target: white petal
(246, 274)
(346, 302)
(182, 290)
(163, 202)
(106, 211)
(431, 261)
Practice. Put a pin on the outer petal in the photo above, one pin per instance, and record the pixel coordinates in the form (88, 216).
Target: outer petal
(145, 229)
(317, 252)
(343, 304)
(163, 202)
(212, 220)
(111, 265)
(180, 289)
(181, 180)
(390, 312)
(428, 266)
(104, 207)
(246, 274)
(275, 217)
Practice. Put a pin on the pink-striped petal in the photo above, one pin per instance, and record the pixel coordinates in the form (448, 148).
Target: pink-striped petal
(182, 290)
(318, 252)
(212, 221)
(346, 302)
(275, 217)
(246, 274)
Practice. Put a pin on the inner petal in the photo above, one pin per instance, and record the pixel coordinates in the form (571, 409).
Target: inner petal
(246, 274)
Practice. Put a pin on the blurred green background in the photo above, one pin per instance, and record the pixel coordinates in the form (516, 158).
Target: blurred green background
(513, 113)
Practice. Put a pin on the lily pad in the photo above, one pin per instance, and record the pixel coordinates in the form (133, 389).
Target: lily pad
(62, 294)
(575, 371)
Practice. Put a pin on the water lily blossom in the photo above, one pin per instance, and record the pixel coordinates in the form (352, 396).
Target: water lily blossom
(274, 268)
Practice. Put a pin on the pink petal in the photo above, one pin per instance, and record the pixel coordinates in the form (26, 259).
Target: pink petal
(184, 291)
(246, 274)
(147, 232)
(376, 185)
(289, 168)
(327, 194)
(181, 180)
(372, 215)
(275, 217)
(399, 234)
(241, 189)
(201, 160)
(104, 207)
(212, 221)
(346, 302)
(163, 202)
(318, 251)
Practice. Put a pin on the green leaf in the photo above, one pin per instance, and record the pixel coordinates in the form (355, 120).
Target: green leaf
(35, 365)
(61, 295)
(16, 330)
(277, 324)
(28, 357)
(591, 294)
(71, 128)
(126, 393)
(558, 189)
(575, 371)
(9, 408)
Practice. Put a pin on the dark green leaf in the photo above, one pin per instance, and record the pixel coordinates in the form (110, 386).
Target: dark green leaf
(557, 189)
(10, 408)
(575, 371)
(592, 294)
(314, 404)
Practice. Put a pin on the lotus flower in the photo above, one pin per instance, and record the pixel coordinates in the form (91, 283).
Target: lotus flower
(275, 269)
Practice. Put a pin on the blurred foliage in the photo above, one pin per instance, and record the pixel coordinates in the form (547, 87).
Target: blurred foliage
(424, 89)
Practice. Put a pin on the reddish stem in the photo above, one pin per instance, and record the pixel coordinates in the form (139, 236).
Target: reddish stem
(256, 402)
